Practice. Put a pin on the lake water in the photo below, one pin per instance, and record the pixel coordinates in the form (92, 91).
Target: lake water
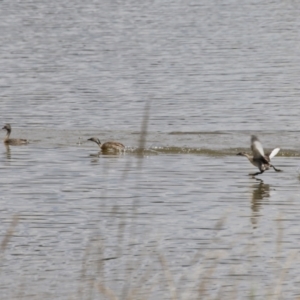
(177, 217)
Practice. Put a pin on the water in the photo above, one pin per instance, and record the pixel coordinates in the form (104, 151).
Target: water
(181, 213)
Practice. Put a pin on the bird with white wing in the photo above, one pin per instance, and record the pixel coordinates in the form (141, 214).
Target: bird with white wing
(259, 159)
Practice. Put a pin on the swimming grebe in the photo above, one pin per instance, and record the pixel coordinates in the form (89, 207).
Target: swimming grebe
(259, 159)
(108, 146)
(9, 141)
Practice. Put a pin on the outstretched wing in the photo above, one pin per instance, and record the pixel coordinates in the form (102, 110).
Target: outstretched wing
(257, 148)
(274, 152)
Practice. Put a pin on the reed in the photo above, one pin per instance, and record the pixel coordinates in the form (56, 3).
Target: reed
(121, 272)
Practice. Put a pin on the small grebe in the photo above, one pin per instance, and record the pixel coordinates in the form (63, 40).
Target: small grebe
(108, 146)
(259, 159)
(9, 141)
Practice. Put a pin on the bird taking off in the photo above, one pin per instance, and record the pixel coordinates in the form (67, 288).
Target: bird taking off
(259, 159)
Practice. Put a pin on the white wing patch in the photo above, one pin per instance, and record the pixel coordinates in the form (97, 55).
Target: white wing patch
(274, 152)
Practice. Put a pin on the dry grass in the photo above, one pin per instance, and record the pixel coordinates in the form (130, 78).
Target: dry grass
(137, 280)
(144, 274)
(152, 277)
(9, 234)
(200, 280)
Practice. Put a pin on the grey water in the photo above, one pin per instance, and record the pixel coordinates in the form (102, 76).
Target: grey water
(181, 213)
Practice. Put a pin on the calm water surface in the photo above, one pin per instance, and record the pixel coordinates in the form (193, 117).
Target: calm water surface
(182, 211)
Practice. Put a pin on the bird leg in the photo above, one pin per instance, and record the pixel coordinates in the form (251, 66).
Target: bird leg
(256, 173)
(277, 170)
(260, 180)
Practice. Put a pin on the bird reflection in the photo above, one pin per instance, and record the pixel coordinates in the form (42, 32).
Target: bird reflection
(299, 174)
(259, 193)
(8, 152)
(104, 154)
(95, 157)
